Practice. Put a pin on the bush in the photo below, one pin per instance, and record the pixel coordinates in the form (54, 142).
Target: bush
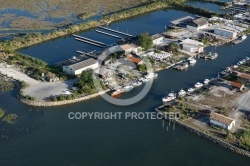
(11, 118)
(2, 112)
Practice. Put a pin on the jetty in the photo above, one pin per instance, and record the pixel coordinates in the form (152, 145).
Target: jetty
(112, 30)
(108, 34)
(91, 43)
(91, 54)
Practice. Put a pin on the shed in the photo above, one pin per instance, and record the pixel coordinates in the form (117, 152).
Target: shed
(157, 39)
(79, 67)
(222, 121)
(237, 85)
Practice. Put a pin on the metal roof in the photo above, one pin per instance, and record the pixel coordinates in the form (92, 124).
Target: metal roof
(83, 64)
(181, 20)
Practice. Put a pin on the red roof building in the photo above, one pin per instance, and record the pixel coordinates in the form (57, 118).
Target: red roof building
(237, 85)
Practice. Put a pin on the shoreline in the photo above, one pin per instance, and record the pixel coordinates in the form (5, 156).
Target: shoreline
(209, 137)
(60, 103)
(37, 38)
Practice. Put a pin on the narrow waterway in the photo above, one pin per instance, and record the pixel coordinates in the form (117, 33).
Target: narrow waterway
(45, 136)
(64, 48)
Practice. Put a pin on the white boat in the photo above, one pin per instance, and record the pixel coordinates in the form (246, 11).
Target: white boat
(151, 75)
(235, 66)
(206, 81)
(243, 37)
(142, 79)
(137, 83)
(182, 93)
(191, 90)
(198, 85)
(171, 96)
(192, 60)
(128, 88)
(223, 72)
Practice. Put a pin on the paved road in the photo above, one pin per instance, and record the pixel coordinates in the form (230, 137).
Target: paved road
(244, 104)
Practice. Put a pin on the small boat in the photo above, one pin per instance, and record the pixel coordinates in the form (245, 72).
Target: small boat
(182, 93)
(192, 60)
(243, 37)
(151, 75)
(142, 79)
(171, 96)
(137, 83)
(198, 85)
(235, 66)
(206, 81)
(128, 88)
(191, 90)
(117, 92)
(211, 56)
(223, 72)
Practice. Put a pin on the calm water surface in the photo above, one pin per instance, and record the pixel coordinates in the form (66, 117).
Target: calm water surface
(45, 136)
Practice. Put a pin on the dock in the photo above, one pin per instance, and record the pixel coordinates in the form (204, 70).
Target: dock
(112, 30)
(237, 41)
(91, 43)
(91, 54)
(108, 34)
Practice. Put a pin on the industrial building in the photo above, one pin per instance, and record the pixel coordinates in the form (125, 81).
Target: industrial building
(225, 33)
(197, 24)
(79, 67)
(192, 46)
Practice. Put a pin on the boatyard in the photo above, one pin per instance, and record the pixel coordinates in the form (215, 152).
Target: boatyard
(199, 67)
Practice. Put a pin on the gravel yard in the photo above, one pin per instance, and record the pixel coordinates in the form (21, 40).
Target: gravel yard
(40, 90)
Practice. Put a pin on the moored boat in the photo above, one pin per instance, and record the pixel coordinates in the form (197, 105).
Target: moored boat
(151, 75)
(243, 37)
(191, 60)
(206, 81)
(171, 96)
(198, 85)
(128, 88)
(182, 93)
(191, 90)
(117, 92)
(137, 83)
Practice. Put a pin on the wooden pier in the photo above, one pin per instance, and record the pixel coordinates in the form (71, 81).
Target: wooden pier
(108, 34)
(93, 41)
(88, 42)
(112, 30)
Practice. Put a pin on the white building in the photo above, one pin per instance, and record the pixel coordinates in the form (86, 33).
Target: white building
(79, 67)
(222, 121)
(225, 33)
(192, 42)
(197, 24)
(193, 48)
(127, 48)
(157, 39)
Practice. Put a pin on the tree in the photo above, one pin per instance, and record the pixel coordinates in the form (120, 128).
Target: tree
(172, 47)
(145, 41)
(142, 68)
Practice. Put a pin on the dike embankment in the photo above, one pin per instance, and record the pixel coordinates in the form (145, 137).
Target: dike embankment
(60, 103)
(209, 137)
